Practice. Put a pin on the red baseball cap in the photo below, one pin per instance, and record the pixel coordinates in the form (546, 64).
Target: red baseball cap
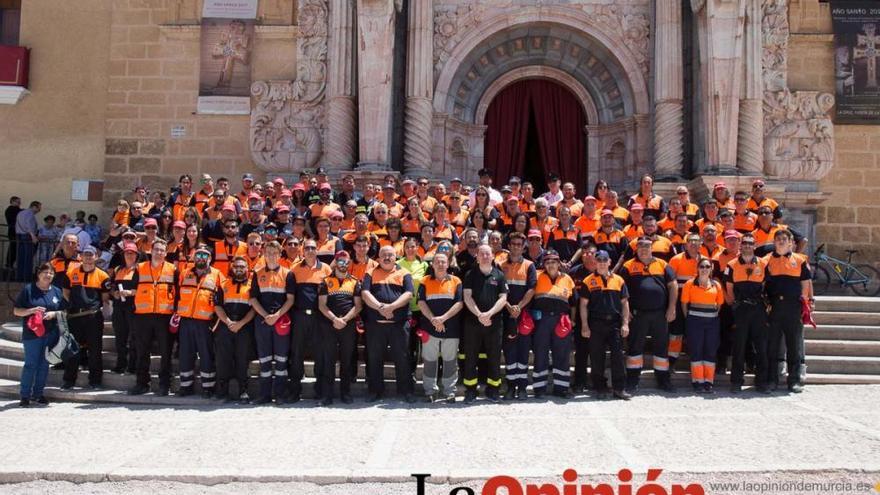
(278, 180)
(298, 187)
(341, 254)
(637, 207)
(35, 323)
(325, 185)
(283, 209)
(228, 207)
(178, 224)
(526, 323)
(282, 325)
(129, 247)
(286, 193)
(606, 211)
(732, 233)
(589, 198)
(563, 326)
(535, 233)
(150, 222)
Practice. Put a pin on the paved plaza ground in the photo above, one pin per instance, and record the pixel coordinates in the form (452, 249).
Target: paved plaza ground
(827, 434)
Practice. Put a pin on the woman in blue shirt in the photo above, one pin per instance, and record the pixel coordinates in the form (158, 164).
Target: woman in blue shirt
(38, 297)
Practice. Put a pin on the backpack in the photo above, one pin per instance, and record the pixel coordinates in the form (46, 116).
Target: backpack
(66, 347)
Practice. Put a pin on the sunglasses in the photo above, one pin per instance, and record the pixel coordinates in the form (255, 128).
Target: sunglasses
(310, 248)
(602, 187)
(482, 194)
(202, 256)
(705, 267)
(271, 231)
(255, 244)
(151, 228)
(758, 186)
(744, 244)
(765, 213)
(682, 193)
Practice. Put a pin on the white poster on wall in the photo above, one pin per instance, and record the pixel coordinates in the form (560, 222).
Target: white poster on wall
(230, 9)
(227, 40)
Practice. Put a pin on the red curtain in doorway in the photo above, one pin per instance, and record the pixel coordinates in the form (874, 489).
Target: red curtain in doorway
(559, 120)
(508, 128)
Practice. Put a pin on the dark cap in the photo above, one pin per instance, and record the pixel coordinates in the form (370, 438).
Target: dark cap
(484, 172)
(602, 255)
(456, 179)
(321, 171)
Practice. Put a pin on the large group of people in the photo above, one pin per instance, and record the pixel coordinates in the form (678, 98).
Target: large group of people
(462, 277)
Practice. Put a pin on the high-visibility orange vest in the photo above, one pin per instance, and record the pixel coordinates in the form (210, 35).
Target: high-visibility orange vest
(223, 254)
(197, 295)
(155, 290)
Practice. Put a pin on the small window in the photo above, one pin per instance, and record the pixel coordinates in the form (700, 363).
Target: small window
(10, 21)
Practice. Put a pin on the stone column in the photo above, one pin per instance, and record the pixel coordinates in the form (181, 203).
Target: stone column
(419, 112)
(668, 91)
(375, 81)
(341, 134)
(720, 36)
(750, 149)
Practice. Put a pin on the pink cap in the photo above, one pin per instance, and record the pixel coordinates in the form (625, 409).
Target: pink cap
(285, 193)
(150, 222)
(637, 207)
(732, 234)
(606, 211)
(535, 233)
(278, 180)
(228, 207)
(325, 185)
(589, 198)
(129, 246)
(255, 196)
(178, 224)
(299, 187)
(283, 209)
(341, 254)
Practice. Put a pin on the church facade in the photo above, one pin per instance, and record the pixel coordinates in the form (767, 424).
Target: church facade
(694, 92)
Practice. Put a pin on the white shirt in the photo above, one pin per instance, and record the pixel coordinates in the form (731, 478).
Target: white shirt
(81, 235)
(551, 198)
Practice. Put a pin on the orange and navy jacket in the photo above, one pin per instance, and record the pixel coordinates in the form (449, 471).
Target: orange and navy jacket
(744, 223)
(306, 281)
(156, 289)
(653, 206)
(440, 295)
(323, 210)
(340, 293)
(197, 294)
(127, 278)
(703, 222)
(397, 245)
(785, 274)
(721, 260)
(614, 242)
(521, 277)
(702, 301)
(764, 239)
(647, 284)
(633, 231)
(605, 295)
(565, 242)
(387, 286)
(747, 278)
(684, 266)
(180, 203)
(224, 252)
(234, 298)
(328, 249)
(271, 286)
(86, 288)
(61, 264)
(754, 206)
(711, 253)
(661, 248)
(553, 296)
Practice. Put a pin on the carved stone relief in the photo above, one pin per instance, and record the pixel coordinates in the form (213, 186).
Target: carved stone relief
(798, 134)
(775, 33)
(287, 118)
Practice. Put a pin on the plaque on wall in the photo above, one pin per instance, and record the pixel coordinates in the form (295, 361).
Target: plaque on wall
(856, 59)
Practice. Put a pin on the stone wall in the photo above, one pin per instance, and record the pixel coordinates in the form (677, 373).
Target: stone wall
(55, 134)
(850, 218)
(153, 87)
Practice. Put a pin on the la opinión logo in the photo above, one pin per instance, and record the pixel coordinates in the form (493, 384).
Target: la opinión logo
(509, 485)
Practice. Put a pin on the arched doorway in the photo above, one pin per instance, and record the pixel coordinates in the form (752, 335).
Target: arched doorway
(535, 127)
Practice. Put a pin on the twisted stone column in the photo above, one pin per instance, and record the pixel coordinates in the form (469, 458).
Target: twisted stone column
(668, 91)
(418, 116)
(750, 146)
(341, 136)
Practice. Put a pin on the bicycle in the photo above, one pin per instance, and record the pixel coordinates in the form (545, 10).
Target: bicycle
(863, 279)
